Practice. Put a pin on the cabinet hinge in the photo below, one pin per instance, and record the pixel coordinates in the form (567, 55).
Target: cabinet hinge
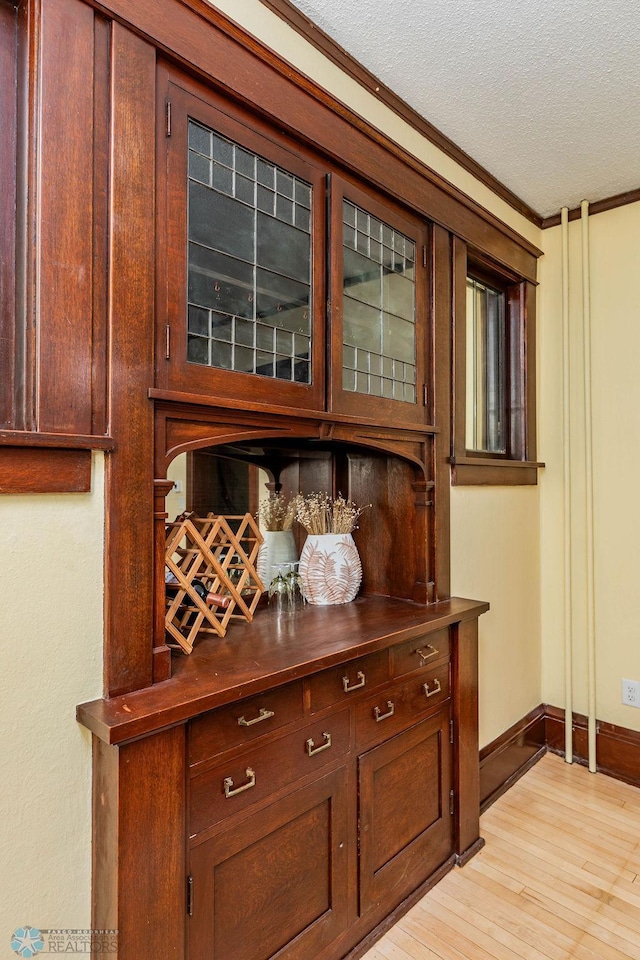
(167, 345)
(451, 802)
(168, 118)
(450, 731)
(425, 394)
(424, 256)
(189, 896)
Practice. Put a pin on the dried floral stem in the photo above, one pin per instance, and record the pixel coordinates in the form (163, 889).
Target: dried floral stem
(277, 512)
(319, 513)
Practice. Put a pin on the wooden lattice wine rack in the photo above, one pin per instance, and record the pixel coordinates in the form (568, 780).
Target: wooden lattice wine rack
(221, 553)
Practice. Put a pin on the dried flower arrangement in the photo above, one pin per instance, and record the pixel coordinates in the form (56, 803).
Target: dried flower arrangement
(277, 512)
(319, 513)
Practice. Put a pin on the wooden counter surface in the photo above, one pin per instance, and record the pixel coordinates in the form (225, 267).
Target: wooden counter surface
(267, 653)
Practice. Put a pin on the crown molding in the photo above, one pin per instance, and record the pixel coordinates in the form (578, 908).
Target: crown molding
(338, 55)
(599, 206)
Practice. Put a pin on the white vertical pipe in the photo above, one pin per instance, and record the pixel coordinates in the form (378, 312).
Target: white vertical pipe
(591, 641)
(566, 476)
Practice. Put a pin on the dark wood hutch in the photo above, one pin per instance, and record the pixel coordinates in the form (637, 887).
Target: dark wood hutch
(361, 788)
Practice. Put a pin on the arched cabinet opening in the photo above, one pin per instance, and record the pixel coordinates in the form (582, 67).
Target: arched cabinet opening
(228, 471)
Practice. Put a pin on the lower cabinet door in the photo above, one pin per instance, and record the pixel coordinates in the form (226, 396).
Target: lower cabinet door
(274, 885)
(406, 828)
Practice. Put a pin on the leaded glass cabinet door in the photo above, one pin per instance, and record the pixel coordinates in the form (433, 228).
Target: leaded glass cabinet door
(379, 309)
(245, 287)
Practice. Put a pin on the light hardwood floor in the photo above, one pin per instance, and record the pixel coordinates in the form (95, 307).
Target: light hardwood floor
(559, 877)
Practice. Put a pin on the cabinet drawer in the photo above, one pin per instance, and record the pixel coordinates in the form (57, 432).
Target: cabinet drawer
(251, 776)
(397, 707)
(342, 684)
(419, 653)
(244, 721)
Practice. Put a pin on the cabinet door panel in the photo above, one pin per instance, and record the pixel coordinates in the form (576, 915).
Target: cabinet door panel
(241, 258)
(405, 823)
(380, 337)
(275, 885)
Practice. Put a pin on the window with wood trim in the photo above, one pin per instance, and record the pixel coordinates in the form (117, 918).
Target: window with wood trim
(494, 382)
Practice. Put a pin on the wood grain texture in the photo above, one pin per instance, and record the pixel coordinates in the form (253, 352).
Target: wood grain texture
(559, 877)
(64, 249)
(248, 661)
(27, 470)
(8, 158)
(510, 755)
(465, 719)
(151, 854)
(440, 360)
(129, 471)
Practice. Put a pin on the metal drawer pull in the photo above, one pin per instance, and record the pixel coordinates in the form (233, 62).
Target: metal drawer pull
(383, 716)
(436, 688)
(263, 715)
(424, 656)
(356, 686)
(312, 749)
(228, 784)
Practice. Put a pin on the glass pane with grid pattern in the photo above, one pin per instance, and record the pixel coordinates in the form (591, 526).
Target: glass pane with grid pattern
(486, 385)
(249, 261)
(378, 316)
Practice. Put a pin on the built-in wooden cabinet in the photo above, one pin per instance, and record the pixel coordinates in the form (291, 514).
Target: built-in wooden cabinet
(234, 265)
(305, 832)
(324, 773)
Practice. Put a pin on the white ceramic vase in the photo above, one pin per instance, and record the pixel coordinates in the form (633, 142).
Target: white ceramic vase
(330, 568)
(278, 547)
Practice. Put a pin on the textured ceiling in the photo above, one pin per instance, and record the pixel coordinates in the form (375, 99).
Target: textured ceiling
(545, 94)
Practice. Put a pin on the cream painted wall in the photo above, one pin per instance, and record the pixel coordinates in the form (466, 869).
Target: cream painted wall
(495, 557)
(51, 616)
(615, 321)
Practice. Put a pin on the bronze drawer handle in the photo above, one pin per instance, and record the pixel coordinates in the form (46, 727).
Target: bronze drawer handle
(346, 683)
(312, 749)
(228, 784)
(426, 656)
(436, 688)
(383, 716)
(263, 715)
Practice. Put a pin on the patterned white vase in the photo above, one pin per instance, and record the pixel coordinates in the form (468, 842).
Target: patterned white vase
(278, 547)
(330, 568)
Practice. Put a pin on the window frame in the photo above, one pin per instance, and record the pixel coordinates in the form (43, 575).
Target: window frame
(518, 465)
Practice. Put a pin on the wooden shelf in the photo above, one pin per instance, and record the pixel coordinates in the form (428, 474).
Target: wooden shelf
(267, 653)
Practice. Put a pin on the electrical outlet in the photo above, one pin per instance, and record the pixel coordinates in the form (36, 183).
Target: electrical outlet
(631, 693)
